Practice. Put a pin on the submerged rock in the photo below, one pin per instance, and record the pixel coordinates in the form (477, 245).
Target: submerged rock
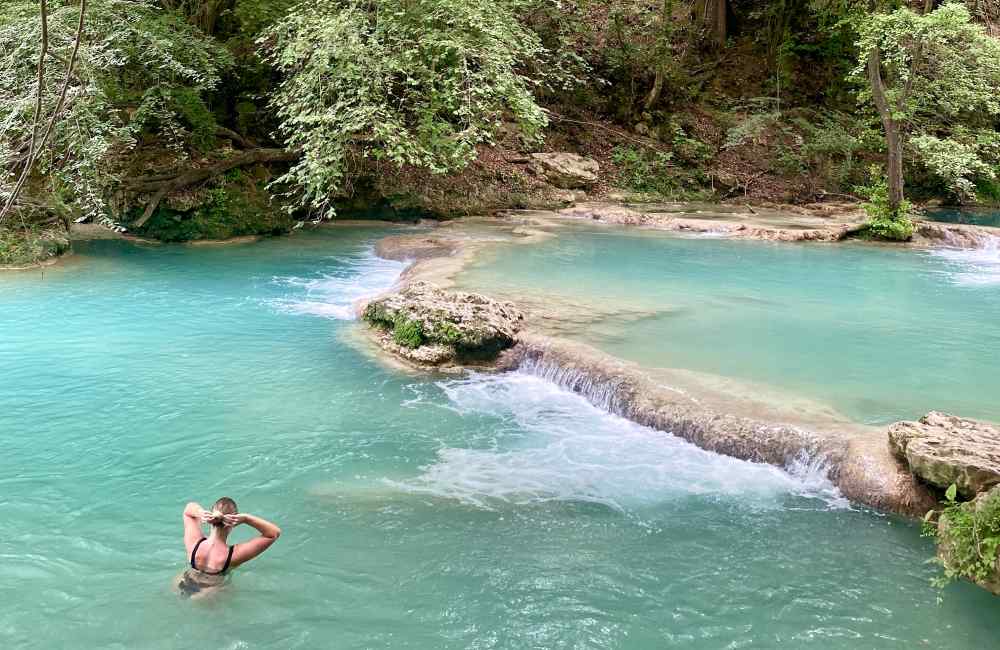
(943, 449)
(567, 171)
(430, 326)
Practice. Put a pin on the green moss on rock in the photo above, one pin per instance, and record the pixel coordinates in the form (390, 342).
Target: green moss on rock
(431, 326)
(408, 333)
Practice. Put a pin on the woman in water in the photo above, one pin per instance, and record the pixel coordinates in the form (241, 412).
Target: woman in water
(211, 557)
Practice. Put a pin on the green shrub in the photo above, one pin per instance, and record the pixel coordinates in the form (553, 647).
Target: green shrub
(969, 533)
(408, 333)
(885, 222)
(28, 246)
(653, 173)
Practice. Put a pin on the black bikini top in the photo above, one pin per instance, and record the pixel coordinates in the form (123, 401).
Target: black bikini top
(225, 567)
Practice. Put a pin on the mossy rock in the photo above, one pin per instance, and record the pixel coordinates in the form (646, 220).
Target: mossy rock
(237, 205)
(430, 326)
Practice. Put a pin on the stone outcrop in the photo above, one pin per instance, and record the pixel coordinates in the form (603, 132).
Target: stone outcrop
(568, 171)
(430, 326)
(728, 221)
(943, 449)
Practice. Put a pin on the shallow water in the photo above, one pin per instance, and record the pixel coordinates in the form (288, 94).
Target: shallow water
(978, 217)
(475, 512)
(879, 334)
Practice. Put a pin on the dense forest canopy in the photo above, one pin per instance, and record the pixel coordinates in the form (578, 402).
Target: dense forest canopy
(141, 113)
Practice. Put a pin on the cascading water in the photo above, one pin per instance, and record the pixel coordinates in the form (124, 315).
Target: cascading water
(338, 293)
(560, 447)
(979, 265)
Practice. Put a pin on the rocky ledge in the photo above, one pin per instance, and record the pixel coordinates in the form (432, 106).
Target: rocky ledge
(429, 326)
(860, 465)
(944, 449)
(739, 222)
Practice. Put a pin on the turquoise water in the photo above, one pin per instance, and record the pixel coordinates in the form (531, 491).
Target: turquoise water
(418, 512)
(881, 334)
(981, 217)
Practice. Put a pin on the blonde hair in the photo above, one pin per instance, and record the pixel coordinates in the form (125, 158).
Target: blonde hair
(222, 507)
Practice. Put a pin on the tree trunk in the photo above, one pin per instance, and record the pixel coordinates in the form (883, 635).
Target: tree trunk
(893, 133)
(662, 55)
(712, 14)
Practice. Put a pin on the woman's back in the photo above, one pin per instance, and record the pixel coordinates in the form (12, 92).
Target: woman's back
(211, 558)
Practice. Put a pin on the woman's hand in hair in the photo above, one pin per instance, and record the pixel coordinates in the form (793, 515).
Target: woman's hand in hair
(232, 521)
(213, 517)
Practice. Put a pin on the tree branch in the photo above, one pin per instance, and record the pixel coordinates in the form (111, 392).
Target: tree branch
(35, 151)
(163, 184)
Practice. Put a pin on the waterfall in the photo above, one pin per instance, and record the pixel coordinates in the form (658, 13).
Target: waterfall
(605, 394)
(972, 256)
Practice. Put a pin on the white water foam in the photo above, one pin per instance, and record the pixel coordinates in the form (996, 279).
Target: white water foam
(978, 266)
(562, 448)
(337, 293)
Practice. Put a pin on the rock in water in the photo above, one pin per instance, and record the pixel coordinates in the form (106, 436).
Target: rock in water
(567, 171)
(430, 326)
(944, 449)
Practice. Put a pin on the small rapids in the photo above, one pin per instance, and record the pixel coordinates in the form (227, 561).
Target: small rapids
(978, 266)
(560, 447)
(336, 294)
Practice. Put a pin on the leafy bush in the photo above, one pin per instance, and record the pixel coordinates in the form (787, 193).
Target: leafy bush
(28, 246)
(883, 221)
(653, 173)
(140, 74)
(408, 333)
(418, 84)
(969, 534)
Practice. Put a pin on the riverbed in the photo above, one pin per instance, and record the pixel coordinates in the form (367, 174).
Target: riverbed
(477, 511)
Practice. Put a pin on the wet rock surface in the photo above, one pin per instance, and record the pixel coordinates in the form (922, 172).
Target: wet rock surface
(742, 222)
(863, 469)
(956, 235)
(430, 326)
(943, 449)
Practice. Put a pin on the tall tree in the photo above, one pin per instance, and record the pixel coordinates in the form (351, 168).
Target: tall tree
(934, 81)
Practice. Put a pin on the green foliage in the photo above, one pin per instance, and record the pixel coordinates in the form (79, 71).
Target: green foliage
(883, 221)
(28, 246)
(141, 74)
(653, 174)
(418, 84)
(751, 130)
(942, 77)
(408, 333)
(969, 535)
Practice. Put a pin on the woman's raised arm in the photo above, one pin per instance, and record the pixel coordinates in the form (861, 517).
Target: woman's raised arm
(193, 514)
(247, 551)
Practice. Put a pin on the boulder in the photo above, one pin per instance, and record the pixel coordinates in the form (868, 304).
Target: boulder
(567, 171)
(944, 449)
(431, 326)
